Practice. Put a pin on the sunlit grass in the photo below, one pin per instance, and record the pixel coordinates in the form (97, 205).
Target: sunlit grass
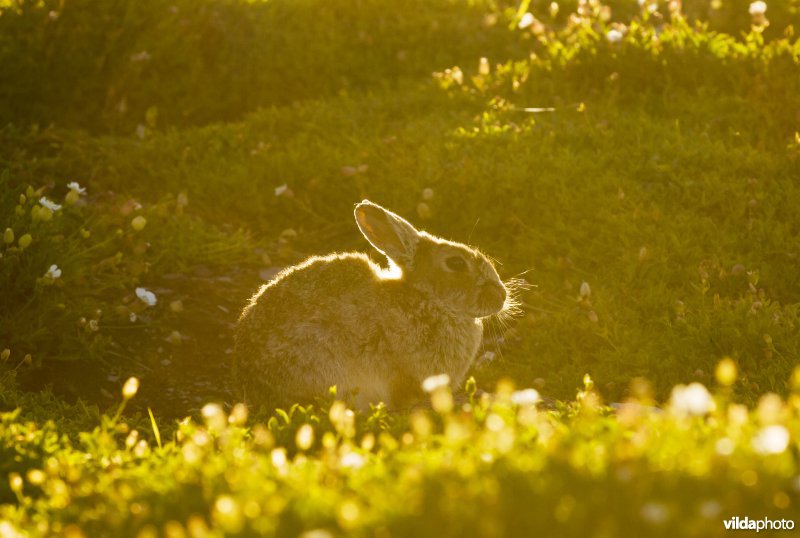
(682, 226)
(496, 465)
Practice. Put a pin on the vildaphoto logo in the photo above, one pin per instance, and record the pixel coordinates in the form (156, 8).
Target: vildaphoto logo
(737, 523)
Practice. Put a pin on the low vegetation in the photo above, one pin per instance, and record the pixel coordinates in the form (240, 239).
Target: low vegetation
(495, 466)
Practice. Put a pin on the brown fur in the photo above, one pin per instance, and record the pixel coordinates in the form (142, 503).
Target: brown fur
(342, 320)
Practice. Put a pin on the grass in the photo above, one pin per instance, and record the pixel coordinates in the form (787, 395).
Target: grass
(493, 467)
(669, 225)
(651, 204)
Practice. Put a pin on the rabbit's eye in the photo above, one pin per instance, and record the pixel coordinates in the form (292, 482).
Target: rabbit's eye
(456, 263)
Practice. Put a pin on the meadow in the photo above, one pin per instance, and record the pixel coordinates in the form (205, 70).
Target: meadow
(636, 163)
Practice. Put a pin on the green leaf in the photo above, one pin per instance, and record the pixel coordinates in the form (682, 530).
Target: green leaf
(284, 415)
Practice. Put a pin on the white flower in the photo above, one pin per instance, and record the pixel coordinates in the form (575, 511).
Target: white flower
(758, 8)
(214, 416)
(655, 513)
(691, 400)
(525, 397)
(614, 36)
(435, 382)
(710, 509)
(724, 446)
(147, 296)
(9, 530)
(281, 189)
(278, 457)
(49, 204)
(771, 440)
(458, 76)
(54, 272)
(74, 186)
(352, 460)
(140, 56)
(526, 20)
(586, 290)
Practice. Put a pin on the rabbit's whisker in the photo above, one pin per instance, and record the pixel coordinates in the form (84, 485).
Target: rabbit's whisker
(469, 238)
(525, 272)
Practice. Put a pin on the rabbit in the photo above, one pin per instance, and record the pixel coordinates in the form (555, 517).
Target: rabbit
(374, 333)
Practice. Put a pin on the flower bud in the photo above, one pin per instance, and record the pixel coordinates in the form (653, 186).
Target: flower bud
(726, 372)
(130, 388)
(15, 482)
(305, 437)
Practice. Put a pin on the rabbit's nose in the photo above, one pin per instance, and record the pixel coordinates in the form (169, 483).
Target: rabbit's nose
(494, 295)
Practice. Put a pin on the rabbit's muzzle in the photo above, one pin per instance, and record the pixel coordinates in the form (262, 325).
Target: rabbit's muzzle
(491, 298)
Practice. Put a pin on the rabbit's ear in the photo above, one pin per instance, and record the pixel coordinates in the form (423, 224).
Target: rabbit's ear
(387, 232)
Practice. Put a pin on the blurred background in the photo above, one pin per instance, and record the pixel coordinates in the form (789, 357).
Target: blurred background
(101, 66)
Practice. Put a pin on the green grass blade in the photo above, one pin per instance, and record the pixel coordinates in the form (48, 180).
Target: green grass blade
(155, 427)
